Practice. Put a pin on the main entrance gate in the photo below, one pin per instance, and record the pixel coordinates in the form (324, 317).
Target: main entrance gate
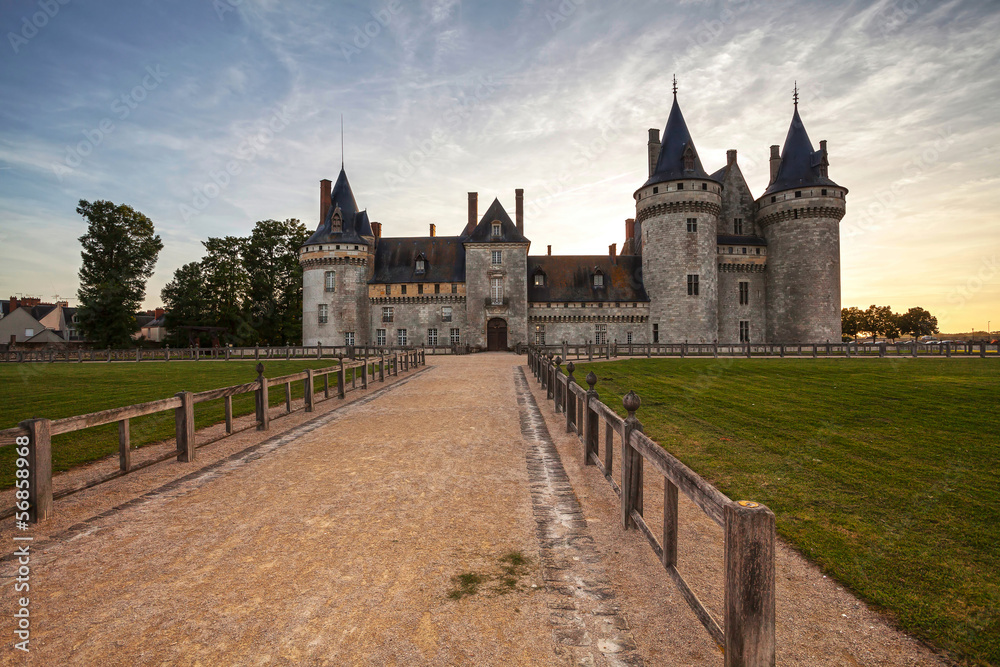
(496, 335)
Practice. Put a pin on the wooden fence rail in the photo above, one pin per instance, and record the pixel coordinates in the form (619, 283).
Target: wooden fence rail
(746, 635)
(33, 437)
(222, 353)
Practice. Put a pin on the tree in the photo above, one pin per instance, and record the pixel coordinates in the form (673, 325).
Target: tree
(226, 285)
(850, 321)
(274, 298)
(119, 253)
(185, 303)
(918, 322)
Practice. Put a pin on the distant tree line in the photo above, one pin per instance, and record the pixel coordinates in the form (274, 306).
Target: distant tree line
(249, 287)
(881, 321)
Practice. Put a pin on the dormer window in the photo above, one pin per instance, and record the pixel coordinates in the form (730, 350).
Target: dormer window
(539, 279)
(496, 229)
(337, 221)
(598, 279)
(421, 266)
(688, 159)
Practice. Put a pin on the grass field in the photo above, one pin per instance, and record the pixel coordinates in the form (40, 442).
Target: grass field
(63, 390)
(885, 472)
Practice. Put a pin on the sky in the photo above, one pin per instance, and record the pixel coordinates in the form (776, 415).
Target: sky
(209, 115)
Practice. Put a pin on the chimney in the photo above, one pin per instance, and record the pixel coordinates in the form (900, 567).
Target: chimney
(613, 254)
(377, 229)
(549, 251)
(325, 187)
(654, 148)
(473, 213)
(730, 157)
(158, 313)
(433, 230)
(629, 229)
(824, 161)
(775, 163)
(519, 210)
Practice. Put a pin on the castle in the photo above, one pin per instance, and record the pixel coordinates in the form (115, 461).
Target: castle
(702, 261)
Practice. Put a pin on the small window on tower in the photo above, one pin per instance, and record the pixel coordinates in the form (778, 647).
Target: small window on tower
(402, 289)
(692, 285)
(704, 186)
(656, 190)
(798, 193)
(680, 186)
(823, 192)
(774, 199)
(497, 257)
(737, 225)
(692, 224)
(331, 281)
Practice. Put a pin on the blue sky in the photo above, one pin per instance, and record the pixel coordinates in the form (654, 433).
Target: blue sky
(208, 116)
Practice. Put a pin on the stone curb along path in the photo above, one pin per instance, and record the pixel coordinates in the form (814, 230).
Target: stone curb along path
(587, 621)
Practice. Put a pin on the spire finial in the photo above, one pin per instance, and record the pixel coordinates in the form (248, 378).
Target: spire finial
(675, 86)
(341, 141)
(795, 95)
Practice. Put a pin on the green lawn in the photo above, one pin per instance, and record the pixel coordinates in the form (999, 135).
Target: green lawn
(885, 472)
(65, 389)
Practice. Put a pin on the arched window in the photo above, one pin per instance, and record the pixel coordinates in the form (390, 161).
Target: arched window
(421, 264)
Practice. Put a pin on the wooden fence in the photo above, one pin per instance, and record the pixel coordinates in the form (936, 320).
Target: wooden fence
(223, 353)
(747, 633)
(34, 436)
(591, 351)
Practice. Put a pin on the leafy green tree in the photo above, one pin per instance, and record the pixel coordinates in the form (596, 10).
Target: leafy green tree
(119, 253)
(274, 299)
(918, 322)
(185, 302)
(226, 285)
(850, 321)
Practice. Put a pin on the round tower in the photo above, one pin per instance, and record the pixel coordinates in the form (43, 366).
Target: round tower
(335, 262)
(800, 215)
(677, 210)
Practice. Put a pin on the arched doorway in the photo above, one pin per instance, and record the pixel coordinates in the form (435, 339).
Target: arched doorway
(496, 335)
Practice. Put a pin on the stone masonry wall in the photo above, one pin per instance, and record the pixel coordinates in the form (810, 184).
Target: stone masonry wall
(731, 312)
(417, 315)
(513, 270)
(578, 325)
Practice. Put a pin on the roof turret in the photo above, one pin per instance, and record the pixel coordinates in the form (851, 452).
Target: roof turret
(800, 165)
(343, 222)
(678, 157)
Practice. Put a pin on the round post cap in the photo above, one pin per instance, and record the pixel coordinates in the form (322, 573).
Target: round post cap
(591, 379)
(631, 402)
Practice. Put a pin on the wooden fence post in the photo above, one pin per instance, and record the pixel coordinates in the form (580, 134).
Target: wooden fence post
(590, 429)
(263, 402)
(557, 390)
(569, 405)
(229, 414)
(309, 390)
(982, 350)
(549, 377)
(669, 542)
(749, 596)
(124, 446)
(364, 376)
(341, 393)
(39, 469)
(184, 427)
(381, 368)
(631, 463)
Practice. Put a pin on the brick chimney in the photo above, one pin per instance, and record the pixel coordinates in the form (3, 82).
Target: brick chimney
(377, 229)
(433, 230)
(519, 210)
(612, 252)
(775, 162)
(473, 213)
(730, 157)
(325, 187)
(549, 251)
(654, 148)
(158, 313)
(629, 229)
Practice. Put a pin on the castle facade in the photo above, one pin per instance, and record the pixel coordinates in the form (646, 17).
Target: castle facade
(702, 261)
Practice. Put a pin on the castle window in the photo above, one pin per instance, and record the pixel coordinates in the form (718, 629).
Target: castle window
(324, 313)
(730, 250)
(330, 280)
(656, 190)
(692, 284)
(656, 333)
(737, 225)
(349, 338)
(432, 336)
(774, 199)
(454, 289)
(823, 192)
(598, 280)
(798, 193)
(539, 279)
(680, 186)
(387, 313)
(744, 251)
(496, 291)
(744, 293)
(601, 334)
(380, 337)
(496, 257)
(539, 334)
(758, 251)
(455, 336)
(437, 289)
(421, 266)
(628, 337)
(446, 314)
(402, 289)
(420, 287)
(704, 186)
(496, 229)
(401, 337)
(388, 290)
(744, 331)
(338, 247)
(692, 224)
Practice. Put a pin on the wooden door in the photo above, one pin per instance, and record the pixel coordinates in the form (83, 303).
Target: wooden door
(496, 335)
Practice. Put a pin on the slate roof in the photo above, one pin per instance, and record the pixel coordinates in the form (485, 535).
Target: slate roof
(676, 140)
(800, 164)
(483, 233)
(734, 239)
(355, 222)
(571, 278)
(396, 259)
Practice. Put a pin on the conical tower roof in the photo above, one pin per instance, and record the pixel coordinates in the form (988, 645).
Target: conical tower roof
(354, 223)
(800, 164)
(678, 157)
